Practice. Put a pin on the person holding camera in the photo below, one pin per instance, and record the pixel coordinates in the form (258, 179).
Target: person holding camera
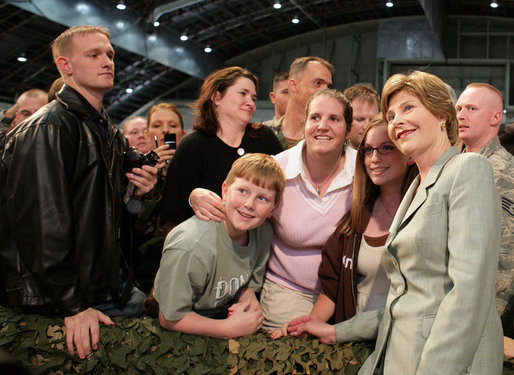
(164, 130)
(134, 129)
(64, 193)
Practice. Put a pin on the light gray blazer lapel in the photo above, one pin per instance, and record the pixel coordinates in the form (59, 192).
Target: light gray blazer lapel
(412, 201)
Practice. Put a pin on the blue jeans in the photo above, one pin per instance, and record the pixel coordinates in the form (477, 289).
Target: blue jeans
(134, 308)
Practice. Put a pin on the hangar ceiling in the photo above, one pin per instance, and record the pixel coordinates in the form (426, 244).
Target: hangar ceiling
(151, 60)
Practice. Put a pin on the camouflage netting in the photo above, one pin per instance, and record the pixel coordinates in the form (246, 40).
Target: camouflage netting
(140, 346)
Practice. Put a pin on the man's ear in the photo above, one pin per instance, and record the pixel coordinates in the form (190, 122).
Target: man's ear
(272, 97)
(496, 118)
(64, 65)
(292, 86)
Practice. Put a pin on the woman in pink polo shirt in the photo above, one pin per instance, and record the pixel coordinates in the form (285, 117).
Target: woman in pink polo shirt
(319, 172)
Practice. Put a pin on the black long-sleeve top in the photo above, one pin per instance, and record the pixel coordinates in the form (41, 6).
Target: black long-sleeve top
(203, 161)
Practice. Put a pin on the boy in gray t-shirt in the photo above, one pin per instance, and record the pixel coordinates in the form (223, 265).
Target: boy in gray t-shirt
(209, 267)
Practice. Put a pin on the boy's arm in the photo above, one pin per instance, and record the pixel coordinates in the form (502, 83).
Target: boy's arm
(242, 321)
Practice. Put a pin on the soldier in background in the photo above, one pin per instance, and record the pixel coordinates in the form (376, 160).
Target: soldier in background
(307, 75)
(364, 100)
(480, 110)
(279, 97)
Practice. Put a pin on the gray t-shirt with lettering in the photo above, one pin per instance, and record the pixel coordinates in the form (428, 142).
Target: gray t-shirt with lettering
(202, 268)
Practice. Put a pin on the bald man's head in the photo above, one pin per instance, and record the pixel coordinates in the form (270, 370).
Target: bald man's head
(28, 103)
(479, 110)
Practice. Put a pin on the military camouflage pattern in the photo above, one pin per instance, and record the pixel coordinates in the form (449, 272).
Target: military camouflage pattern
(503, 165)
(140, 346)
(276, 126)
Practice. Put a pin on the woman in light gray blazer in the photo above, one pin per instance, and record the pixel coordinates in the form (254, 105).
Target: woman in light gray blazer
(442, 253)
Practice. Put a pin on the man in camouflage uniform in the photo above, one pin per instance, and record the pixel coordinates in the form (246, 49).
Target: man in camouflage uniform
(307, 75)
(479, 110)
(279, 97)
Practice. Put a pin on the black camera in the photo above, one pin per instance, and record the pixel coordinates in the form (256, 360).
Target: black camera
(134, 159)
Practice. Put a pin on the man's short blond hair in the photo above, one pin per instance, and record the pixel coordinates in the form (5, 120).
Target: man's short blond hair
(363, 92)
(489, 87)
(299, 65)
(279, 77)
(61, 46)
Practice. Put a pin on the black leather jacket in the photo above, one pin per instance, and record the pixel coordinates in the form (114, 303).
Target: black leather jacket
(64, 206)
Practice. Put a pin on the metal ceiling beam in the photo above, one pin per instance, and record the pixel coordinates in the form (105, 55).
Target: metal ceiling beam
(172, 6)
(435, 12)
(165, 48)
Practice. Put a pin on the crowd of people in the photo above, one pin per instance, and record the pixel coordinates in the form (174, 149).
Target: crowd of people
(349, 216)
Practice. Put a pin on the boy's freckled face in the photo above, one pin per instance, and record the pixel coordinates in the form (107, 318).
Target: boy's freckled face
(246, 206)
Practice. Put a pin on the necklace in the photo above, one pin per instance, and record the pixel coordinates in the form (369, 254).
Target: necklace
(328, 179)
(385, 208)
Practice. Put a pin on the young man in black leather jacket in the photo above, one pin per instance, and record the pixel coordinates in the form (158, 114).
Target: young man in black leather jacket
(65, 189)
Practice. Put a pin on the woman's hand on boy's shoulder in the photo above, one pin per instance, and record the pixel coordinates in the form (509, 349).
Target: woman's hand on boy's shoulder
(207, 205)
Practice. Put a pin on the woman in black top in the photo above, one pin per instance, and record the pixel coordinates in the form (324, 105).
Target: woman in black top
(223, 133)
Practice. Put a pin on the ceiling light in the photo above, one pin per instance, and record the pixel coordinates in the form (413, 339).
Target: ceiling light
(295, 20)
(184, 37)
(121, 5)
(389, 4)
(156, 24)
(277, 5)
(129, 90)
(152, 38)
(207, 49)
(22, 58)
(494, 4)
(82, 8)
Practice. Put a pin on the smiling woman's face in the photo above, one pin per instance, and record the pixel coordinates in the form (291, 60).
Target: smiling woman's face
(411, 126)
(384, 168)
(325, 127)
(237, 104)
